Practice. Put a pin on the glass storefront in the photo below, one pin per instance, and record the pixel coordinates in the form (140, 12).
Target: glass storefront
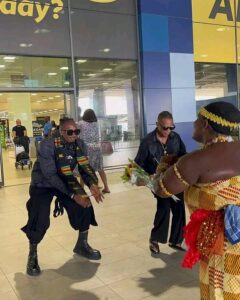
(110, 87)
(71, 57)
(31, 109)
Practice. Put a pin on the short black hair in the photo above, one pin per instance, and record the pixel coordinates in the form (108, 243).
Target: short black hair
(65, 120)
(226, 111)
(165, 115)
(89, 116)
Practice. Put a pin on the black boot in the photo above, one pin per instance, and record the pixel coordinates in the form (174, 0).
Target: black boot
(82, 248)
(33, 268)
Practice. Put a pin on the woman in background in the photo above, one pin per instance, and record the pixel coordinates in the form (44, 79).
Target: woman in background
(90, 135)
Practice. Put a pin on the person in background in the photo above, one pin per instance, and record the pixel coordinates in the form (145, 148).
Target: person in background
(52, 175)
(47, 128)
(161, 142)
(210, 178)
(19, 130)
(54, 125)
(20, 137)
(90, 135)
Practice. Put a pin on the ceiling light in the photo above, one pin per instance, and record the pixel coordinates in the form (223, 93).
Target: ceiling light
(204, 55)
(2, 66)
(57, 96)
(34, 94)
(105, 83)
(66, 82)
(64, 68)
(81, 61)
(50, 110)
(44, 99)
(50, 98)
(107, 69)
(55, 108)
(9, 57)
(106, 50)
(39, 101)
(91, 74)
(52, 74)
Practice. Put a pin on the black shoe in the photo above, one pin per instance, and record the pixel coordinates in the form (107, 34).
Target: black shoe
(84, 249)
(176, 247)
(87, 251)
(154, 248)
(33, 268)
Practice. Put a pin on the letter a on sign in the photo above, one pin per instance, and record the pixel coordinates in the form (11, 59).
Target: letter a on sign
(218, 9)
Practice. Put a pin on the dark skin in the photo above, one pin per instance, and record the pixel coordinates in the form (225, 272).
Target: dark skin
(95, 191)
(216, 162)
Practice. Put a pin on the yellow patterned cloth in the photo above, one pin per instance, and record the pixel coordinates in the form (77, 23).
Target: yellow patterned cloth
(219, 274)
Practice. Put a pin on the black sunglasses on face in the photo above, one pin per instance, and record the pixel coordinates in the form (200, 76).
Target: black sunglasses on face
(71, 131)
(166, 128)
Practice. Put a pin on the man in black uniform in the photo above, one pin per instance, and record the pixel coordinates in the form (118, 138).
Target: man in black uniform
(53, 175)
(19, 130)
(20, 137)
(160, 142)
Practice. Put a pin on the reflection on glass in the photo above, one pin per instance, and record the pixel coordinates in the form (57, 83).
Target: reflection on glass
(215, 82)
(23, 71)
(110, 87)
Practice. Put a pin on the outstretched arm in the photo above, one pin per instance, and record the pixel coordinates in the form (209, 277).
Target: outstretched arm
(179, 176)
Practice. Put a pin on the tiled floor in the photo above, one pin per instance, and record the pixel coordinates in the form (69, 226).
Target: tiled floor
(126, 270)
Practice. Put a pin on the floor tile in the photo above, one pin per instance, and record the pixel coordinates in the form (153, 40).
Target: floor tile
(127, 269)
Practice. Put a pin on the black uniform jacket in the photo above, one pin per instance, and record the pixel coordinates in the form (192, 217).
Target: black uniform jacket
(45, 170)
(151, 150)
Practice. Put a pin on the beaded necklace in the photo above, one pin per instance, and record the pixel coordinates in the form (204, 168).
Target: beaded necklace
(219, 139)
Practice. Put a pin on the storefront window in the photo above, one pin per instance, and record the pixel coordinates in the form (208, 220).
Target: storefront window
(215, 82)
(110, 87)
(34, 72)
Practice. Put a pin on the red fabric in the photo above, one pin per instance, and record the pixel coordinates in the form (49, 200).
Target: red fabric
(191, 231)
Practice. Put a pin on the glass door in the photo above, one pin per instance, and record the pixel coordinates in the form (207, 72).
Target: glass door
(30, 109)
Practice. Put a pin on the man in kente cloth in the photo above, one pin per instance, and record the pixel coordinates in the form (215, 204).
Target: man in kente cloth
(53, 175)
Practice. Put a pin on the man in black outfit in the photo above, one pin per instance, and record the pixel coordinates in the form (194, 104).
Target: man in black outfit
(158, 143)
(53, 175)
(20, 137)
(19, 130)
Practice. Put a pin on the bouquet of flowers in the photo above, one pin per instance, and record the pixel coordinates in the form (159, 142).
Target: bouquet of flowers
(134, 174)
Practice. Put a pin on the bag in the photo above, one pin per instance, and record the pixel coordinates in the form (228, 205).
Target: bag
(107, 148)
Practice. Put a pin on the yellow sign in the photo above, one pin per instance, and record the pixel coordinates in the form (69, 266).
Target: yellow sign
(36, 10)
(28, 8)
(214, 11)
(214, 30)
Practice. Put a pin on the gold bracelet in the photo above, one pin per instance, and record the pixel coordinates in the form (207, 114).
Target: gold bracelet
(163, 188)
(179, 176)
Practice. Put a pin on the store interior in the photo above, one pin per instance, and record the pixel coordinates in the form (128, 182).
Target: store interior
(31, 109)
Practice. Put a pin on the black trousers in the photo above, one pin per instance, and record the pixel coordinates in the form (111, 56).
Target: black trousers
(38, 207)
(161, 222)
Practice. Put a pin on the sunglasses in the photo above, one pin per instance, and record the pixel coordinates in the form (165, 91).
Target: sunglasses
(166, 128)
(71, 131)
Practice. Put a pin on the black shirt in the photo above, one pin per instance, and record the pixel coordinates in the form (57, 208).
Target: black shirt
(19, 129)
(151, 150)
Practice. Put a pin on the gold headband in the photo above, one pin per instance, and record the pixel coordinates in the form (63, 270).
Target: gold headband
(216, 119)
